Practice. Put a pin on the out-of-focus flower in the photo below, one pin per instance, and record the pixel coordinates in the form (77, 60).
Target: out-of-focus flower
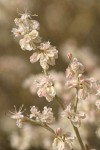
(47, 115)
(98, 132)
(86, 87)
(63, 142)
(46, 88)
(76, 66)
(46, 54)
(98, 104)
(75, 117)
(34, 112)
(98, 92)
(18, 116)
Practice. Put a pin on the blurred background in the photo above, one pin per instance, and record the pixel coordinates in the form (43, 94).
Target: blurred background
(70, 26)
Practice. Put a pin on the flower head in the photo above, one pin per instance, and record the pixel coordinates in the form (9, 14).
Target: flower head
(46, 54)
(45, 88)
(75, 117)
(18, 116)
(47, 115)
(63, 142)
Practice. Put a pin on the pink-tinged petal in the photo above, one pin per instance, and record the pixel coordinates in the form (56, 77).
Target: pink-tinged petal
(35, 57)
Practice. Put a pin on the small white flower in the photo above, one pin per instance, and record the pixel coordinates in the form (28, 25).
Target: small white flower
(63, 142)
(18, 116)
(76, 66)
(27, 43)
(87, 86)
(47, 115)
(46, 54)
(34, 112)
(75, 117)
(45, 88)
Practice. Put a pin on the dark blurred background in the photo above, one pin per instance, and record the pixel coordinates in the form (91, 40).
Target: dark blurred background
(60, 21)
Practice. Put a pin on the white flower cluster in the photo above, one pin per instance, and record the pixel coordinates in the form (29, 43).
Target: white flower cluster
(75, 79)
(75, 117)
(45, 88)
(28, 32)
(30, 40)
(46, 116)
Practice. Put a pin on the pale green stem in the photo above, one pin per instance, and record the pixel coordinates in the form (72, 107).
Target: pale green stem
(75, 128)
(59, 102)
(76, 100)
(33, 122)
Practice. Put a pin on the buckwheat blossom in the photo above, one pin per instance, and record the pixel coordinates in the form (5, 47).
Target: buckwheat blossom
(28, 42)
(72, 72)
(76, 66)
(27, 31)
(75, 117)
(18, 116)
(86, 87)
(34, 112)
(46, 54)
(63, 142)
(47, 115)
(45, 88)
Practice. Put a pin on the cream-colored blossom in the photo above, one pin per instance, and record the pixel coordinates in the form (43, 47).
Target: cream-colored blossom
(63, 142)
(46, 54)
(18, 116)
(34, 112)
(45, 88)
(27, 43)
(86, 87)
(47, 115)
(75, 117)
(76, 66)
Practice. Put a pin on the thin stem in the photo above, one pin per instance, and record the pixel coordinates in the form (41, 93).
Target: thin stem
(75, 128)
(59, 102)
(33, 122)
(76, 100)
(79, 137)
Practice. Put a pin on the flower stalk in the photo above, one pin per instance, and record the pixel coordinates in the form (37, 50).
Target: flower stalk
(33, 122)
